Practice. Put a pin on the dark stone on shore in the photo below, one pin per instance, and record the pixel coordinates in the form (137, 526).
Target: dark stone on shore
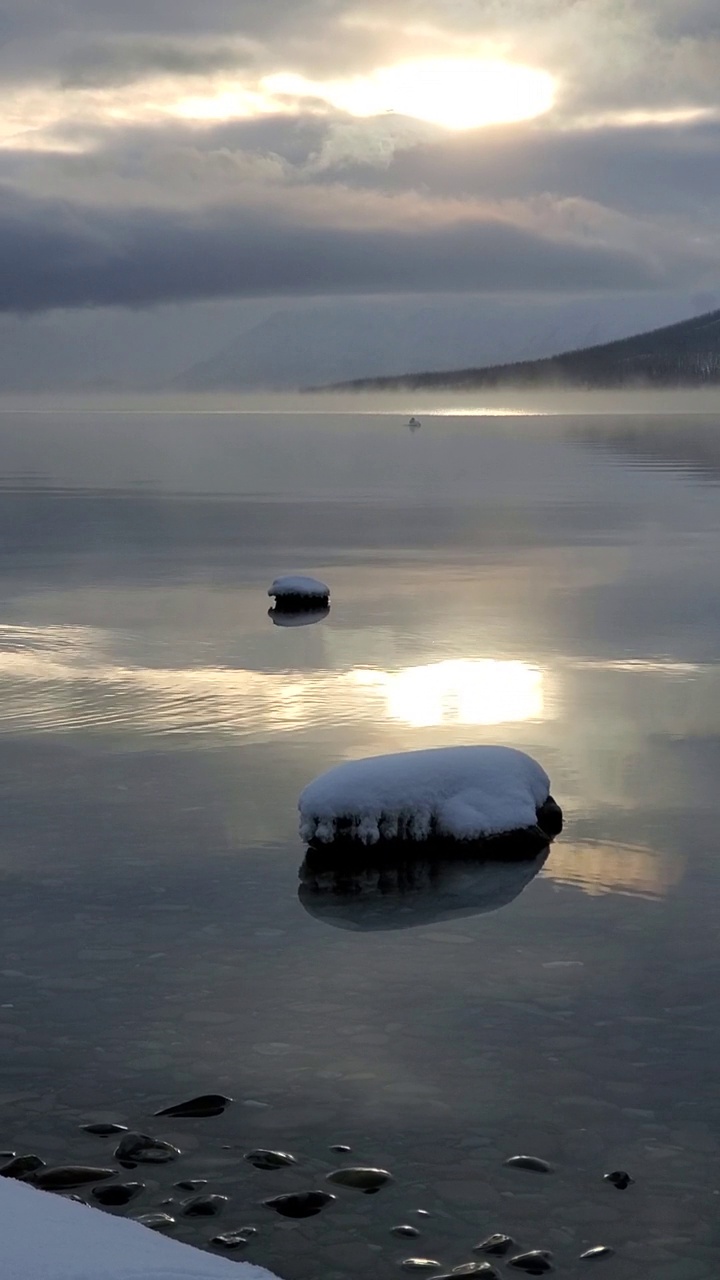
(535, 1263)
(367, 1180)
(497, 1245)
(263, 1159)
(65, 1176)
(533, 1163)
(207, 1104)
(156, 1221)
(118, 1193)
(404, 1230)
(419, 1264)
(231, 1240)
(104, 1130)
(485, 1269)
(599, 1251)
(204, 1206)
(619, 1178)
(301, 1204)
(140, 1148)
(340, 1148)
(21, 1166)
(192, 1184)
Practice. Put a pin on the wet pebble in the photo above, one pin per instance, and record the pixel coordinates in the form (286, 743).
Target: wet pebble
(340, 1148)
(68, 1175)
(476, 1269)
(263, 1159)
(104, 1130)
(496, 1245)
(535, 1263)
(140, 1148)
(230, 1240)
(404, 1230)
(367, 1180)
(599, 1251)
(200, 1108)
(300, 1204)
(156, 1221)
(117, 1193)
(533, 1163)
(192, 1184)
(422, 1213)
(204, 1206)
(419, 1264)
(21, 1166)
(619, 1178)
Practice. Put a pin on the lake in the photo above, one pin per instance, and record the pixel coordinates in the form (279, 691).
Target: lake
(546, 582)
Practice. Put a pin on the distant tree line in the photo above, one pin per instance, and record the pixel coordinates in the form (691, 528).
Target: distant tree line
(684, 354)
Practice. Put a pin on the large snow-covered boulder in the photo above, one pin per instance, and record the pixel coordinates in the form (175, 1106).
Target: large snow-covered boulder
(446, 793)
(45, 1237)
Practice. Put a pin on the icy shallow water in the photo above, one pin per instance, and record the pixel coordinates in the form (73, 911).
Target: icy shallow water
(549, 584)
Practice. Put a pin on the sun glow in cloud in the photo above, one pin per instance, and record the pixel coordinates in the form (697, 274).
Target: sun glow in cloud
(454, 93)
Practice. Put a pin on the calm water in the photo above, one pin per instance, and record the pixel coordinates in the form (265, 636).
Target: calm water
(549, 583)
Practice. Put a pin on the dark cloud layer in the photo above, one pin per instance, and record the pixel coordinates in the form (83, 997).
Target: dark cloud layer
(54, 255)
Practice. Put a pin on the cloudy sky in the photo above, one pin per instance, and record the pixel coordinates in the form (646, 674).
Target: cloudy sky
(170, 151)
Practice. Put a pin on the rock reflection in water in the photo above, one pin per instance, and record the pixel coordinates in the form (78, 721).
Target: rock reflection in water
(284, 617)
(373, 892)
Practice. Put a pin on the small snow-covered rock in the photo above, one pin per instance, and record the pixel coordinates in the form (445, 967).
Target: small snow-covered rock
(297, 587)
(450, 793)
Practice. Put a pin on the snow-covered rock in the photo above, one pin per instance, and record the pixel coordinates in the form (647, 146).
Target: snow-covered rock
(450, 793)
(45, 1237)
(297, 587)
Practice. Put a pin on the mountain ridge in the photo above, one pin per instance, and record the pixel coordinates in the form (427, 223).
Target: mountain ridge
(685, 353)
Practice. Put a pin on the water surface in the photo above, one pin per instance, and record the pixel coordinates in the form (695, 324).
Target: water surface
(547, 583)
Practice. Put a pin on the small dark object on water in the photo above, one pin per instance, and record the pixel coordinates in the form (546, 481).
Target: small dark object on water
(340, 1148)
(104, 1130)
(67, 1175)
(419, 1264)
(118, 1193)
(534, 1163)
(422, 1213)
(300, 1204)
(231, 1240)
(367, 1180)
(404, 1230)
(21, 1166)
(140, 1148)
(496, 1245)
(535, 1263)
(619, 1179)
(599, 1251)
(204, 1206)
(263, 1159)
(156, 1221)
(208, 1104)
(192, 1184)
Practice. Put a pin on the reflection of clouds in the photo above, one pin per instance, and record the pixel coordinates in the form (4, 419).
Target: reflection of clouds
(601, 867)
(63, 678)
